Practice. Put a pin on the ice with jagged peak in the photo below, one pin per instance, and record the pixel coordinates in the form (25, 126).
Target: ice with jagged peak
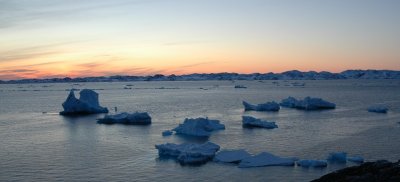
(249, 121)
(266, 159)
(137, 118)
(199, 127)
(188, 153)
(231, 156)
(339, 157)
(312, 163)
(356, 159)
(268, 106)
(167, 133)
(88, 103)
(308, 103)
(378, 109)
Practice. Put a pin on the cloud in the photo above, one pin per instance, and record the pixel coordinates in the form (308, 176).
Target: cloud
(14, 13)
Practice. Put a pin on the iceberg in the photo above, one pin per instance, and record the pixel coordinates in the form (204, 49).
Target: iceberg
(188, 153)
(88, 103)
(249, 121)
(269, 106)
(167, 133)
(136, 118)
(339, 157)
(356, 159)
(307, 103)
(199, 127)
(231, 156)
(378, 109)
(266, 159)
(312, 163)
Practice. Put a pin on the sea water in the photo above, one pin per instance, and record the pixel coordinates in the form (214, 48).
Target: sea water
(38, 144)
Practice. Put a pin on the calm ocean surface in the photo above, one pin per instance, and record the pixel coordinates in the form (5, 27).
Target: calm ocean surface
(37, 144)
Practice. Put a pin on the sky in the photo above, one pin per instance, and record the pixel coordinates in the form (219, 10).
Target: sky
(76, 38)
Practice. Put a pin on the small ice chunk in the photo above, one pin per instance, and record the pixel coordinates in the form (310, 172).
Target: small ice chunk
(136, 118)
(199, 127)
(88, 103)
(378, 109)
(307, 103)
(167, 133)
(268, 106)
(339, 157)
(312, 163)
(266, 159)
(240, 86)
(356, 159)
(188, 153)
(249, 121)
(231, 156)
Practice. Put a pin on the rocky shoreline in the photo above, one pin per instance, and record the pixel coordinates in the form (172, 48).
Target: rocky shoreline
(382, 171)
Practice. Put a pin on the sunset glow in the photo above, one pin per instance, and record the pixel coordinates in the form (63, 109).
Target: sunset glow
(47, 38)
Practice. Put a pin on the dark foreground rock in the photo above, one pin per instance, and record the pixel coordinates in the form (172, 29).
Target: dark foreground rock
(382, 171)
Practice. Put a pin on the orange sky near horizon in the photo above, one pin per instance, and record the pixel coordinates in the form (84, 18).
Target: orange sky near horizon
(44, 39)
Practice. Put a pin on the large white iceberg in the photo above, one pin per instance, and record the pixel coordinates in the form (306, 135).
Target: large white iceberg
(312, 163)
(249, 121)
(136, 118)
(339, 157)
(268, 106)
(199, 127)
(231, 156)
(266, 159)
(88, 103)
(188, 153)
(378, 109)
(307, 103)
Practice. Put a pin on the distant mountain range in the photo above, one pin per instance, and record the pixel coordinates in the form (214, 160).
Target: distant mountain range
(288, 75)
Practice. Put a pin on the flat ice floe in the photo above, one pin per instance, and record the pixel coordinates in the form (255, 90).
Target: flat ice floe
(249, 121)
(378, 109)
(188, 153)
(231, 156)
(268, 106)
(199, 127)
(88, 103)
(136, 118)
(312, 163)
(266, 159)
(307, 103)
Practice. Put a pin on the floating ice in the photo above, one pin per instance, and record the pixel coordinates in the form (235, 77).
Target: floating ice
(312, 163)
(269, 106)
(240, 86)
(378, 109)
(266, 159)
(88, 103)
(339, 157)
(231, 156)
(356, 159)
(188, 153)
(136, 118)
(167, 133)
(200, 127)
(249, 121)
(307, 103)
